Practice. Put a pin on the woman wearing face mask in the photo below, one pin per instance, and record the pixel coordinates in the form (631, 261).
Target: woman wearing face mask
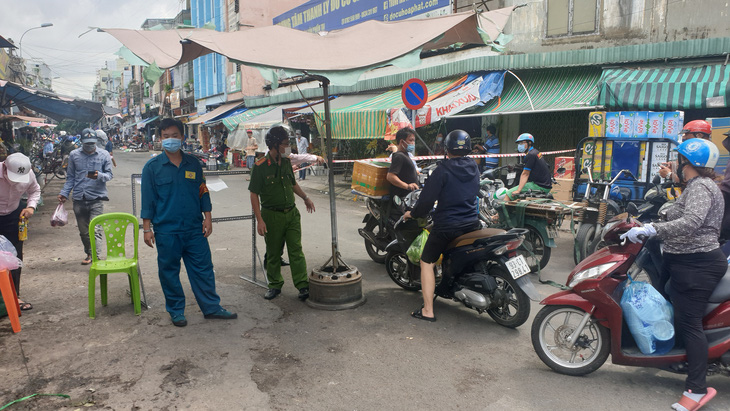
(536, 173)
(693, 260)
(438, 146)
(403, 174)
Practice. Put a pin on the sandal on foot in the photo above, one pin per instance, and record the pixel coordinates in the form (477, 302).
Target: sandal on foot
(686, 403)
(25, 306)
(86, 261)
(418, 314)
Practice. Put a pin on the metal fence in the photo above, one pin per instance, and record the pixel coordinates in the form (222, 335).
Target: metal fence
(255, 258)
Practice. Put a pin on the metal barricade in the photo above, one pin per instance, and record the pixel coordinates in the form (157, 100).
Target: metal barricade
(254, 251)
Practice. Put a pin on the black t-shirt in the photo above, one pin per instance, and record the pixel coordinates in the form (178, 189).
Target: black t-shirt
(539, 171)
(402, 166)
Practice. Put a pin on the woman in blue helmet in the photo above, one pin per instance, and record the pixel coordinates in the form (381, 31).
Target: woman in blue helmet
(692, 258)
(536, 174)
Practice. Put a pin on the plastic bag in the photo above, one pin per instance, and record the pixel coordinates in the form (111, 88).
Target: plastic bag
(416, 248)
(8, 261)
(60, 216)
(7, 246)
(649, 316)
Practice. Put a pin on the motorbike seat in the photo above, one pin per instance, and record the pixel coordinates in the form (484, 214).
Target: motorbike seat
(469, 238)
(722, 290)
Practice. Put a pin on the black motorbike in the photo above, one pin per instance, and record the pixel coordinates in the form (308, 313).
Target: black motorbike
(481, 269)
(378, 230)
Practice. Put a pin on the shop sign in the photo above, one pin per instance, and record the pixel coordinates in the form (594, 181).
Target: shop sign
(234, 82)
(174, 99)
(325, 15)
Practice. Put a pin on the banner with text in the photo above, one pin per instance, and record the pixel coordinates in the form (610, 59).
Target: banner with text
(325, 15)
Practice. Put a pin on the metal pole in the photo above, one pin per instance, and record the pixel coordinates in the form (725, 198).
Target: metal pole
(330, 175)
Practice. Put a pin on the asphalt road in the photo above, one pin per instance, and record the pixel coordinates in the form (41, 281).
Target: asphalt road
(283, 354)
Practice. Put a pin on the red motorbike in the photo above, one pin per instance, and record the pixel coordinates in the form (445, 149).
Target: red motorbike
(577, 329)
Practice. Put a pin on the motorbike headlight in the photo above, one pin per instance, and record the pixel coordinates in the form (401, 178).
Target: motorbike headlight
(592, 272)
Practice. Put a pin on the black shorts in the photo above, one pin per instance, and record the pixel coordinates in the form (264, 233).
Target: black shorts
(438, 240)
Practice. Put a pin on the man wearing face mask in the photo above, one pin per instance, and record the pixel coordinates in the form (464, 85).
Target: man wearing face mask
(176, 201)
(272, 188)
(88, 171)
(402, 174)
(536, 174)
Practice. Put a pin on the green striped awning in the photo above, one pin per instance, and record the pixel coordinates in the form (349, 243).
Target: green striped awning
(232, 122)
(673, 88)
(550, 90)
(367, 119)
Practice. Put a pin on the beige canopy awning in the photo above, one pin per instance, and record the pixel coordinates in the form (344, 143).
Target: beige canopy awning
(363, 45)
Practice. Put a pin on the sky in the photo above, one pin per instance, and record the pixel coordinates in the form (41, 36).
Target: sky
(73, 59)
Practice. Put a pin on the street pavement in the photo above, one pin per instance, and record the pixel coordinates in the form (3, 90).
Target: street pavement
(281, 354)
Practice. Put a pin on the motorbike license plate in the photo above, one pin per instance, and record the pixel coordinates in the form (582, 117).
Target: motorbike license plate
(552, 232)
(511, 176)
(517, 266)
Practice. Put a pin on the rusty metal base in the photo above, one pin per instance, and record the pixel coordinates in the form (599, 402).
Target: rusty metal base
(338, 291)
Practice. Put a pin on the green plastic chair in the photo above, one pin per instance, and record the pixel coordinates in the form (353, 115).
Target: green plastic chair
(115, 229)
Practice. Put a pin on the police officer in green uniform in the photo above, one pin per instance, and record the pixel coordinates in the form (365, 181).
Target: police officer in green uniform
(272, 188)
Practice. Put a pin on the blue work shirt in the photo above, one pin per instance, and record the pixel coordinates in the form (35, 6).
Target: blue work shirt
(492, 147)
(79, 165)
(48, 148)
(173, 197)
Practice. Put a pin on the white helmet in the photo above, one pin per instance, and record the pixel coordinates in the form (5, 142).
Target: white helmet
(63, 133)
(500, 193)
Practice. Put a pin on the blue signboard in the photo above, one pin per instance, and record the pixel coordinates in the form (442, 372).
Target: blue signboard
(326, 15)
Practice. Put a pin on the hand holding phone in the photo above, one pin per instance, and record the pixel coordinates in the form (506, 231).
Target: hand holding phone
(92, 174)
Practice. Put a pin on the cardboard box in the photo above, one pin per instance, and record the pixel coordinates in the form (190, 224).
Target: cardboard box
(673, 122)
(613, 124)
(596, 124)
(563, 190)
(595, 162)
(640, 124)
(627, 124)
(568, 163)
(370, 178)
(655, 128)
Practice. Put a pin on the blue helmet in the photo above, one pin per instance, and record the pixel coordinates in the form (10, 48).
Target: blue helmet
(699, 152)
(526, 137)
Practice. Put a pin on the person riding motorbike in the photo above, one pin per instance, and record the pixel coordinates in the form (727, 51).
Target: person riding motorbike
(693, 129)
(536, 174)
(693, 261)
(455, 185)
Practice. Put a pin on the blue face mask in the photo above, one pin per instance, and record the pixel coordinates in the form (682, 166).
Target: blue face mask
(411, 148)
(522, 147)
(172, 145)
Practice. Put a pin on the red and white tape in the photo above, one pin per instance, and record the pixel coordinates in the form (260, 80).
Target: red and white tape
(387, 159)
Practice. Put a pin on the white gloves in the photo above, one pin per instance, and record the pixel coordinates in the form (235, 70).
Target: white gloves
(647, 231)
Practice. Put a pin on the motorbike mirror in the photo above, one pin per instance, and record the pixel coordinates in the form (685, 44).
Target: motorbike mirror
(399, 203)
(632, 210)
(656, 180)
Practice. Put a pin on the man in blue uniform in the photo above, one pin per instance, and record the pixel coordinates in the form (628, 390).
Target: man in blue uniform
(536, 174)
(176, 201)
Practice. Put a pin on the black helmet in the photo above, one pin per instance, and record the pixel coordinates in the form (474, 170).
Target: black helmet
(275, 136)
(458, 142)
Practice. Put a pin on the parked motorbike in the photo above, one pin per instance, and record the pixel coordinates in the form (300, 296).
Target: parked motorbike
(542, 232)
(578, 328)
(481, 269)
(55, 164)
(600, 207)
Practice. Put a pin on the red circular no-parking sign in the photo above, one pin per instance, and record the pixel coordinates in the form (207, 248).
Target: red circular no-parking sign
(414, 93)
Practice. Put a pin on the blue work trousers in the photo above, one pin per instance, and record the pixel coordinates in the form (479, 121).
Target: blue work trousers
(194, 250)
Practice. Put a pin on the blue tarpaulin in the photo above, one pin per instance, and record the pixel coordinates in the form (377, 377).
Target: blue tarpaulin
(50, 104)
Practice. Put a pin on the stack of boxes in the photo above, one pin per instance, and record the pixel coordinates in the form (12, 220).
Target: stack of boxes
(636, 124)
(370, 178)
(563, 190)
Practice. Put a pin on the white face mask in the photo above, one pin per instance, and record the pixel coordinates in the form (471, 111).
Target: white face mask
(286, 153)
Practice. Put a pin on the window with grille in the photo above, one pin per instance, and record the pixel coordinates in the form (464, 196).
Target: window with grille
(571, 17)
